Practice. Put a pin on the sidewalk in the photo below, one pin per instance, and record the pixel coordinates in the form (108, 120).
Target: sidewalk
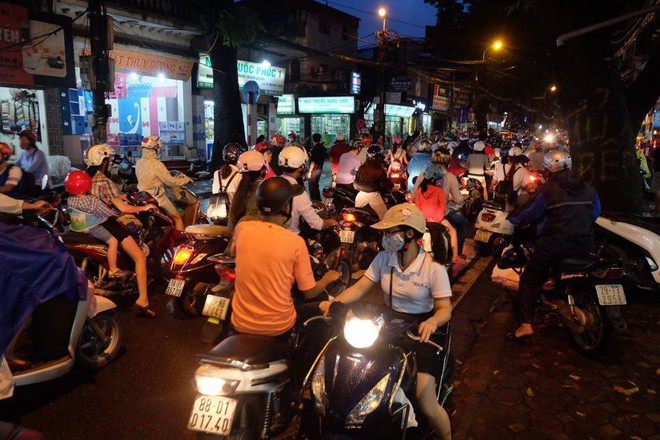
(548, 390)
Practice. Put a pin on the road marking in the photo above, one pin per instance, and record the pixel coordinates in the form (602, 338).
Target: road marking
(467, 279)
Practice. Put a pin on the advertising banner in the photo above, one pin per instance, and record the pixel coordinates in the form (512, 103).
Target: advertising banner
(440, 99)
(401, 84)
(269, 78)
(327, 104)
(152, 65)
(36, 48)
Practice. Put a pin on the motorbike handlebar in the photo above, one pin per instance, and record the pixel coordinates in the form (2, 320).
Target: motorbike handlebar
(316, 318)
(417, 338)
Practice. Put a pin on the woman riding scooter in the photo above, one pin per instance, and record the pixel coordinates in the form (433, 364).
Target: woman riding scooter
(154, 177)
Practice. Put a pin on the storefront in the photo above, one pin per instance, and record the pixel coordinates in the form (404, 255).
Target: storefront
(23, 109)
(398, 119)
(287, 119)
(328, 115)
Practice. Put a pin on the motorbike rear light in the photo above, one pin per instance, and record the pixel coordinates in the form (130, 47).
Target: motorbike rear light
(182, 255)
(349, 217)
(226, 274)
(395, 176)
(486, 217)
(610, 274)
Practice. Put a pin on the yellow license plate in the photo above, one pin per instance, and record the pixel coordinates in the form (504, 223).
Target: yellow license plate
(216, 306)
(212, 414)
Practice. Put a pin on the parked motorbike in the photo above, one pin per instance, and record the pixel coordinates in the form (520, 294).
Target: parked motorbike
(586, 294)
(95, 340)
(493, 230)
(192, 271)
(363, 382)
(636, 242)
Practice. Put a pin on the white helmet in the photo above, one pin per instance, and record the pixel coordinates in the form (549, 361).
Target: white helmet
(557, 160)
(250, 161)
(94, 155)
(479, 146)
(152, 142)
(515, 151)
(292, 157)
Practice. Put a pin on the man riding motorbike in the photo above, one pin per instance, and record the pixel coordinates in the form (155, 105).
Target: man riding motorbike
(292, 162)
(153, 177)
(569, 207)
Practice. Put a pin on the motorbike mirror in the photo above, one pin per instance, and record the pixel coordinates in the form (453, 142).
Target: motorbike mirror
(44, 182)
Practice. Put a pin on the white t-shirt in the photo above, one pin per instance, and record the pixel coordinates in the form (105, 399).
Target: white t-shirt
(372, 199)
(233, 182)
(301, 206)
(520, 177)
(414, 289)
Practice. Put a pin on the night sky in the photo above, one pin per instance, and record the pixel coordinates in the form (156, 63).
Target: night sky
(415, 13)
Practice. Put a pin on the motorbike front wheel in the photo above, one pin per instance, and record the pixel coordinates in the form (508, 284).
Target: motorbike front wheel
(100, 341)
(597, 334)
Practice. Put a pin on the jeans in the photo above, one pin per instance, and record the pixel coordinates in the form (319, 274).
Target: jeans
(460, 223)
(314, 191)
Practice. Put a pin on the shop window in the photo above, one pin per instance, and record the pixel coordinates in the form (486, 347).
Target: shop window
(324, 27)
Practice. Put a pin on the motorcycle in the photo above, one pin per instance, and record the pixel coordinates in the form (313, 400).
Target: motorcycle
(493, 229)
(217, 303)
(363, 382)
(359, 242)
(397, 175)
(95, 340)
(337, 198)
(636, 242)
(585, 294)
(192, 271)
(472, 190)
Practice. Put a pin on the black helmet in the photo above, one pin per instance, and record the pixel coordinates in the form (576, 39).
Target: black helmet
(231, 152)
(512, 258)
(274, 193)
(375, 152)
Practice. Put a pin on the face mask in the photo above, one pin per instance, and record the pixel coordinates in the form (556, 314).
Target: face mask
(393, 242)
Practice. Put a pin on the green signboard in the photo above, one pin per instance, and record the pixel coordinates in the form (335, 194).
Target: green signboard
(327, 104)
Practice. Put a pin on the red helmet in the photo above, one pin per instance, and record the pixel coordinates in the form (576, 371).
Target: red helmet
(78, 183)
(278, 140)
(28, 134)
(262, 147)
(6, 150)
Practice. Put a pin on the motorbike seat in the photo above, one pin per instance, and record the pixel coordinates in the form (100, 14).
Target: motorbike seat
(209, 231)
(247, 351)
(74, 238)
(576, 264)
(494, 205)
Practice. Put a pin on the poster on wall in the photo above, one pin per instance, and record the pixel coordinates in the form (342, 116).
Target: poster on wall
(269, 78)
(440, 98)
(36, 48)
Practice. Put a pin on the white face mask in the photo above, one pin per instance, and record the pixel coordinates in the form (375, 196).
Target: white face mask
(393, 242)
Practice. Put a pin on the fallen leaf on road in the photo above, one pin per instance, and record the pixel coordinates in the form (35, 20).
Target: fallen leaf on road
(495, 372)
(458, 362)
(529, 392)
(580, 414)
(626, 392)
(537, 366)
(632, 383)
(575, 378)
(651, 392)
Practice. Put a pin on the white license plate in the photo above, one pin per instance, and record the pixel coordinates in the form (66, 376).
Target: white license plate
(175, 287)
(216, 306)
(347, 236)
(213, 414)
(611, 295)
(482, 236)
(327, 201)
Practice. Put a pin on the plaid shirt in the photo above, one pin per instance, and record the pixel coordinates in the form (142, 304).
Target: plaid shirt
(104, 188)
(91, 205)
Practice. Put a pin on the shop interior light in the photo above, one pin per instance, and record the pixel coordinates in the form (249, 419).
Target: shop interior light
(161, 77)
(133, 76)
(265, 64)
(209, 102)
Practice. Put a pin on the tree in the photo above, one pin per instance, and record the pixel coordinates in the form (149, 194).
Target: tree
(600, 111)
(227, 26)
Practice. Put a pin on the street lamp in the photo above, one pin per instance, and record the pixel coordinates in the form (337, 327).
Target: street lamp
(553, 88)
(496, 46)
(382, 12)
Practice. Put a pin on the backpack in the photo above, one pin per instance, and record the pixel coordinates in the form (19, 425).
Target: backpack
(218, 209)
(505, 190)
(27, 187)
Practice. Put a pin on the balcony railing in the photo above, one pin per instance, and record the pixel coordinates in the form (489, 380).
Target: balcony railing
(176, 10)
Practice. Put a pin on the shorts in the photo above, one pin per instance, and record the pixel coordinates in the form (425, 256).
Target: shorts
(428, 361)
(100, 233)
(116, 229)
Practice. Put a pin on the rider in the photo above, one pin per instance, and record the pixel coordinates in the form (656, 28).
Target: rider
(570, 206)
(348, 166)
(33, 160)
(419, 160)
(517, 174)
(252, 166)
(292, 161)
(153, 177)
(337, 150)
(10, 175)
(267, 152)
(477, 164)
(266, 274)
(441, 159)
(371, 181)
(9, 205)
(415, 284)
(227, 178)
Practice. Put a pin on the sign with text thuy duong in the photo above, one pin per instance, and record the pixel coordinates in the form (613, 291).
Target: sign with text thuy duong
(151, 64)
(36, 48)
(327, 104)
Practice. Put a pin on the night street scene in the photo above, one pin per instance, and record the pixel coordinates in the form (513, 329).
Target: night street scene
(316, 219)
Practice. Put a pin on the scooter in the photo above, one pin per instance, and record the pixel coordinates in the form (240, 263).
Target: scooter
(636, 241)
(397, 175)
(363, 382)
(338, 198)
(95, 340)
(192, 271)
(359, 242)
(493, 229)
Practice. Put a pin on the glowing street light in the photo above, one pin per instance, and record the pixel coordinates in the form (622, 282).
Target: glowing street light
(496, 46)
(553, 88)
(382, 13)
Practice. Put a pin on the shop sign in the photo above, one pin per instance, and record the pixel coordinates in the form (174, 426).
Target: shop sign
(356, 83)
(399, 111)
(401, 83)
(327, 104)
(270, 79)
(440, 99)
(36, 48)
(285, 105)
(152, 65)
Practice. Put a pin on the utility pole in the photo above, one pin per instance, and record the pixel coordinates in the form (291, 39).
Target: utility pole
(98, 31)
(379, 111)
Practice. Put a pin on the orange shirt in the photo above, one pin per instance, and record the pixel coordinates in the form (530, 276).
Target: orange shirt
(269, 260)
(432, 203)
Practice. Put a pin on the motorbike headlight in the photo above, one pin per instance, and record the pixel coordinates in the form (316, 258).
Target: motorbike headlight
(210, 384)
(368, 403)
(362, 333)
(318, 387)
